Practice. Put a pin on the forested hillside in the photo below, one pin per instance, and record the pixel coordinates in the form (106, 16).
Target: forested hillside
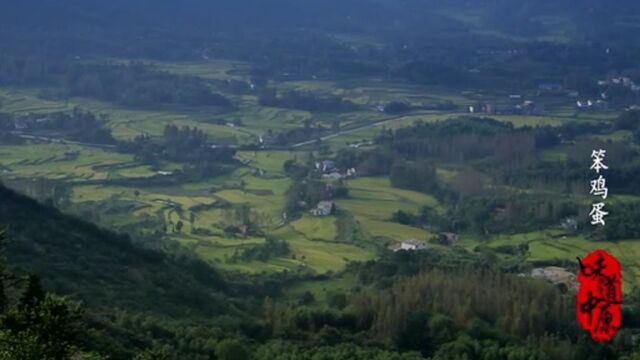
(123, 287)
(314, 180)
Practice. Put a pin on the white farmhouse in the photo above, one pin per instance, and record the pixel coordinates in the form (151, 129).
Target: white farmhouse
(408, 245)
(324, 208)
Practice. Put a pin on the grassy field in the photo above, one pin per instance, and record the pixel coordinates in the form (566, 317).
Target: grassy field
(209, 69)
(322, 289)
(316, 228)
(25, 102)
(258, 120)
(323, 256)
(59, 161)
(269, 161)
(126, 123)
(372, 201)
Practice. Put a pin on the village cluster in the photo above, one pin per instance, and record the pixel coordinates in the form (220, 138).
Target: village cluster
(329, 171)
(517, 106)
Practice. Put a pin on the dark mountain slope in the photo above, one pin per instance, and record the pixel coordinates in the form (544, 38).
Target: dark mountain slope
(103, 269)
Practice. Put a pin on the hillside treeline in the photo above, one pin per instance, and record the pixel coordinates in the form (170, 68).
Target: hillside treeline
(447, 307)
(498, 180)
(132, 84)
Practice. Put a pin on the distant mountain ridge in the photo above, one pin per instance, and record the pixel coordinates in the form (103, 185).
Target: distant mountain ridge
(101, 27)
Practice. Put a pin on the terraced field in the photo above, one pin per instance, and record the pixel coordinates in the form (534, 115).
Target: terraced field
(373, 201)
(60, 161)
(198, 214)
(26, 101)
(126, 123)
(205, 209)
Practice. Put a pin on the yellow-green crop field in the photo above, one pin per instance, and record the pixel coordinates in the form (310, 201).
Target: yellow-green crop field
(199, 207)
(205, 209)
(373, 201)
(210, 69)
(59, 161)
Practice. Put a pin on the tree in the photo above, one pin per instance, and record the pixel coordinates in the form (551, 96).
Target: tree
(629, 120)
(152, 354)
(634, 356)
(419, 176)
(307, 298)
(397, 107)
(468, 183)
(35, 325)
(232, 349)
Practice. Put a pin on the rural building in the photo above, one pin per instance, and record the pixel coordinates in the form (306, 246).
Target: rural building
(326, 166)
(336, 175)
(413, 244)
(20, 124)
(621, 81)
(569, 224)
(361, 143)
(584, 104)
(333, 176)
(324, 208)
(527, 107)
(592, 105)
(408, 245)
(268, 140)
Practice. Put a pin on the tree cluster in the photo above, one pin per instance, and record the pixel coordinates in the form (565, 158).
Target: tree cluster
(134, 84)
(184, 145)
(305, 100)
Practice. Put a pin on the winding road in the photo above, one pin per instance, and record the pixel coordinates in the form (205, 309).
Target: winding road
(355, 128)
(345, 131)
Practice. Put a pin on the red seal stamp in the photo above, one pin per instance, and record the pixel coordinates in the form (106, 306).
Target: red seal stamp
(599, 295)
